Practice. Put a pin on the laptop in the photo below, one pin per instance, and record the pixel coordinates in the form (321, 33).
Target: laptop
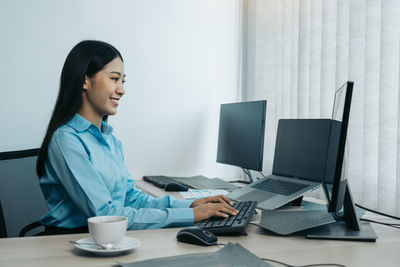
(299, 164)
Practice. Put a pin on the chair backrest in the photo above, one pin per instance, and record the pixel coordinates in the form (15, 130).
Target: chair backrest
(20, 195)
(3, 231)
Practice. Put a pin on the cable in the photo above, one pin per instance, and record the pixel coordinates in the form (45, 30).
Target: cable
(377, 212)
(387, 224)
(308, 265)
(262, 174)
(248, 173)
(284, 264)
(369, 220)
(288, 265)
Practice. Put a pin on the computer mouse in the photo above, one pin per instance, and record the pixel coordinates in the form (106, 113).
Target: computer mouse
(197, 236)
(175, 187)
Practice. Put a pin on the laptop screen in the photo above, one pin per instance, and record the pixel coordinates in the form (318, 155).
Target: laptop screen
(300, 149)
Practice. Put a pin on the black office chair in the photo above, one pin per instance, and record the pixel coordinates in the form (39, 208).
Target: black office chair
(3, 231)
(21, 198)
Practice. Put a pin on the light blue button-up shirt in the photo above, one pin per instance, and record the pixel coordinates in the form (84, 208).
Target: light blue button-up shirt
(86, 176)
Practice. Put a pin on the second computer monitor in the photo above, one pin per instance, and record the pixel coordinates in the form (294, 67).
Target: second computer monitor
(340, 121)
(241, 134)
(348, 226)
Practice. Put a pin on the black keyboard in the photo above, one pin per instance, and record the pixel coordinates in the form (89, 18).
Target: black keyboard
(159, 181)
(232, 224)
(279, 186)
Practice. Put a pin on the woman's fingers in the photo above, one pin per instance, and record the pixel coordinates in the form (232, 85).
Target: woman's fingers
(219, 209)
(214, 199)
(227, 200)
(220, 199)
(228, 209)
(221, 214)
(231, 210)
(213, 209)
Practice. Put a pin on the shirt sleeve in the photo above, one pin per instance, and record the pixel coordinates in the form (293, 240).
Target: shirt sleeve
(135, 197)
(85, 186)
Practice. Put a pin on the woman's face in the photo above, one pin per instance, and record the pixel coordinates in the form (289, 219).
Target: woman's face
(104, 90)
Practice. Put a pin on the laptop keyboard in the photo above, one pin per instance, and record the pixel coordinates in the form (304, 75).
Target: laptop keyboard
(232, 224)
(281, 187)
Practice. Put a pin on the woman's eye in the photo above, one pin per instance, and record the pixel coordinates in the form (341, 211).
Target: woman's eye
(115, 79)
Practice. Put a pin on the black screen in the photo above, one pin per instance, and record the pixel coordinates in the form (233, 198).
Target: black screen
(340, 120)
(241, 134)
(301, 147)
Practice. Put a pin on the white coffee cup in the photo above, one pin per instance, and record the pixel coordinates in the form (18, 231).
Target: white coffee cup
(107, 230)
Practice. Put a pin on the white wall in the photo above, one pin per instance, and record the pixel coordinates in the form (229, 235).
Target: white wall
(181, 62)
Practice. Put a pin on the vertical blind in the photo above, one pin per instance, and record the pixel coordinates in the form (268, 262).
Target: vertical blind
(297, 52)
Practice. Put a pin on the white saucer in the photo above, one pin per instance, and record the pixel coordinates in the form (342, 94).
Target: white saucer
(128, 243)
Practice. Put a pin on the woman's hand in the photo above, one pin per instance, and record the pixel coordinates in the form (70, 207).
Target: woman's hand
(215, 199)
(212, 206)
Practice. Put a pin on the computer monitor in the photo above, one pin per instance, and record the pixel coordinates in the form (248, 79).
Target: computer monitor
(335, 184)
(241, 136)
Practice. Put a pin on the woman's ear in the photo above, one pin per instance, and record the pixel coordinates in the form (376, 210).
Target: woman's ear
(86, 83)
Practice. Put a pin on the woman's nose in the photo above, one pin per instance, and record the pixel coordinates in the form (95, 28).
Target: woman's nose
(120, 90)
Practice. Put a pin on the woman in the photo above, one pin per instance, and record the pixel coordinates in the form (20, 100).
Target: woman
(81, 164)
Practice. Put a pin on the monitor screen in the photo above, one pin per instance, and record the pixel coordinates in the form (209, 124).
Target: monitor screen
(335, 174)
(300, 148)
(241, 134)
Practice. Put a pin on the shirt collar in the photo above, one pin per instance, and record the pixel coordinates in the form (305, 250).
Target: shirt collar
(106, 128)
(81, 124)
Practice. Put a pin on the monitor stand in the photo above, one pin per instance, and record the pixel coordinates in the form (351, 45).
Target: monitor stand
(349, 227)
(250, 175)
(304, 217)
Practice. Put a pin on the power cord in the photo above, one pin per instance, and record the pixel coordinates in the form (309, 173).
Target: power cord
(248, 174)
(288, 265)
(394, 225)
(308, 265)
(377, 212)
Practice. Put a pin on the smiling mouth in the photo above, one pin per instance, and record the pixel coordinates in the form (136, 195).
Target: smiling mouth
(114, 101)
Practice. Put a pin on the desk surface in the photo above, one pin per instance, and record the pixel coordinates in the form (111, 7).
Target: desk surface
(295, 249)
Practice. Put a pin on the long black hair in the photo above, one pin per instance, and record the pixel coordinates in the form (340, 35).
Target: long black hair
(86, 58)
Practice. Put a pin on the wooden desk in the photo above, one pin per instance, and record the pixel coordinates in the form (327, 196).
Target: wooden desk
(295, 250)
